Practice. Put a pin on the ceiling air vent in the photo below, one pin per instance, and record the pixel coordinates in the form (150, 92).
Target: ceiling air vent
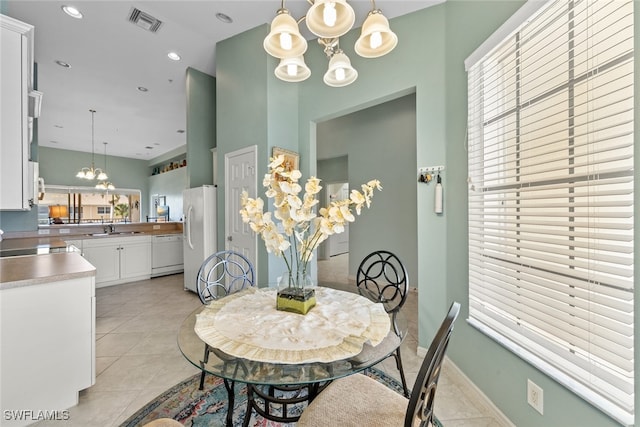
(144, 20)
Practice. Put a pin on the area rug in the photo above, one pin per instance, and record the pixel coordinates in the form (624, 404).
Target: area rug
(208, 407)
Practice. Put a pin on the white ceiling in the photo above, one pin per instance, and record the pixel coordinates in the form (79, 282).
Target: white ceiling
(111, 57)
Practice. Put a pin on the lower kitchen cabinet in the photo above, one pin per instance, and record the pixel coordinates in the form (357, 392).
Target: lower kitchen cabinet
(47, 345)
(120, 259)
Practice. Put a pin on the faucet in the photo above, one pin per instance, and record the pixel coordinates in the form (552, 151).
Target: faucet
(109, 228)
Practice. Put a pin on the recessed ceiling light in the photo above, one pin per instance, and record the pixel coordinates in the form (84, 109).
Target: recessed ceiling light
(148, 147)
(224, 18)
(62, 63)
(142, 89)
(53, 142)
(156, 143)
(173, 56)
(58, 126)
(180, 131)
(72, 12)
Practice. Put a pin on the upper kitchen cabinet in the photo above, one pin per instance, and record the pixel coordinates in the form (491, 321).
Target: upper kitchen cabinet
(16, 84)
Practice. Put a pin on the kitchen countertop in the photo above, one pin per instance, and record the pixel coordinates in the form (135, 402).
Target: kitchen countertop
(26, 270)
(32, 242)
(23, 271)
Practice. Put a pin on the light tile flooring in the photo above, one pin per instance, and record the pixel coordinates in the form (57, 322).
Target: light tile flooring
(137, 357)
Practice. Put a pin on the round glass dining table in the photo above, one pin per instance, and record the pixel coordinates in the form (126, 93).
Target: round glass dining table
(313, 375)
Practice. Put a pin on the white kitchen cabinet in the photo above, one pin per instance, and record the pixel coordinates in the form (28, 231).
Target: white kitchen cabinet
(119, 259)
(16, 81)
(47, 345)
(105, 257)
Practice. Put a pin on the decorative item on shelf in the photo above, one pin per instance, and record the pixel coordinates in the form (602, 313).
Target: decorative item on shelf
(328, 20)
(104, 184)
(92, 172)
(303, 229)
(57, 212)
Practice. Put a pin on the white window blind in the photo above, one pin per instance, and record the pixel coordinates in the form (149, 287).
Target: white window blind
(551, 196)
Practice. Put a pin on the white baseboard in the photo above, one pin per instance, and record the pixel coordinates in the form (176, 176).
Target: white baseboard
(462, 379)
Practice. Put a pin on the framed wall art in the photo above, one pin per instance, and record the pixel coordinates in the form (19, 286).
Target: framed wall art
(291, 158)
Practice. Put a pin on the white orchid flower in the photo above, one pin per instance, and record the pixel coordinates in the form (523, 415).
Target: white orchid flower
(296, 215)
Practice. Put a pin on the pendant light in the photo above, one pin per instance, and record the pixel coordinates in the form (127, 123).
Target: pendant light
(92, 172)
(104, 184)
(327, 19)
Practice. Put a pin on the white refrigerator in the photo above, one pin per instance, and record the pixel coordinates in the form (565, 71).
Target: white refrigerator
(199, 229)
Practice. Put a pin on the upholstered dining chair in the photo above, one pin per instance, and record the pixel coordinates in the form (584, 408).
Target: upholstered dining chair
(358, 400)
(383, 278)
(222, 274)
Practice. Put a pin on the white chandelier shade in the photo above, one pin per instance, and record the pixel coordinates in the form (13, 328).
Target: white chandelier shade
(330, 18)
(292, 69)
(376, 38)
(340, 72)
(285, 40)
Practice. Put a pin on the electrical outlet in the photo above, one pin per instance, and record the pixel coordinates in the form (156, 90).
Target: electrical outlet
(535, 396)
(43, 231)
(64, 231)
(156, 227)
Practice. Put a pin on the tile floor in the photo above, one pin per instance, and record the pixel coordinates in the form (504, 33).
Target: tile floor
(137, 357)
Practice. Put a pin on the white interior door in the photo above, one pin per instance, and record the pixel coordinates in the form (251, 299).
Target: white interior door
(338, 243)
(240, 174)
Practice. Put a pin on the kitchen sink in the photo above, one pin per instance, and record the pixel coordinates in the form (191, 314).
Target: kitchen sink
(116, 233)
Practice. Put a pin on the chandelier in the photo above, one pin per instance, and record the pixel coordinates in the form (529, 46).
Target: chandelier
(328, 20)
(92, 172)
(104, 184)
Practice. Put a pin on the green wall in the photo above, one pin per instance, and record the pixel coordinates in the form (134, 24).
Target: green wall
(242, 99)
(333, 170)
(201, 127)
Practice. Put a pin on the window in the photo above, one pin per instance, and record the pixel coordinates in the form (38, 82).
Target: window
(86, 205)
(103, 210)
(551, 197)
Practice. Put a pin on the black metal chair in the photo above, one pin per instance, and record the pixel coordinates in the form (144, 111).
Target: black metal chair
(221, 274)
(358, 400)
(383, 278)
(224, 273)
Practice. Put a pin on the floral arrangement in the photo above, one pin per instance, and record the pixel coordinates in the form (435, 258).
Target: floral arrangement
(300, 229)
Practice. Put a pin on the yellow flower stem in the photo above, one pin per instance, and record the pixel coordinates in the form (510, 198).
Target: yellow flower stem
(313, 242)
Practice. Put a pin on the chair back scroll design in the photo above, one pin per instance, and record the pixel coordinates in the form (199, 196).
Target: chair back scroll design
(424, 390)
(224, 273)
(383, 275)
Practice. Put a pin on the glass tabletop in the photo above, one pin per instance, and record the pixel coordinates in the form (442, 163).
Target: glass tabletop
(249, 371)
